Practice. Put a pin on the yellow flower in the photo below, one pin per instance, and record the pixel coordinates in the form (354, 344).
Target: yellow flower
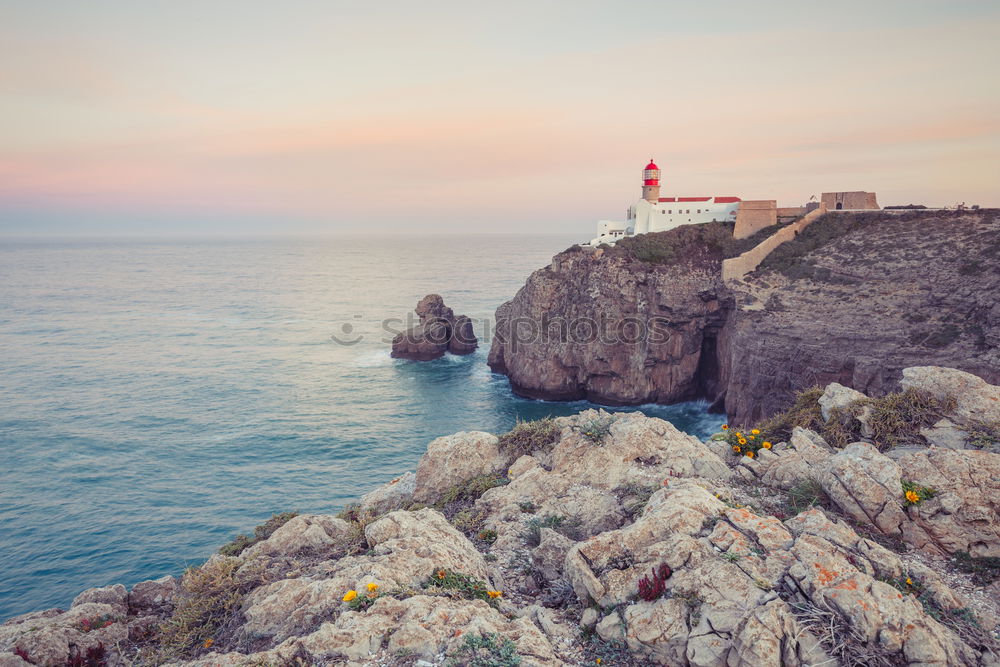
(208, 643)
(350, 595)
(440, 574)
(738, 434)
(725, 427)
(736, 448)
(749, 454)
(598, 661)
(372, 587)
(909, 582)
(751, 437)
(742, 441)
(494, 594)
(766, 445)
(912, 497)
(755, 431)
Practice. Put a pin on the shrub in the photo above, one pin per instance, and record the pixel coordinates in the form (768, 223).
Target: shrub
(805, 412)
(597, 429)
(653, 586)
(208, 605)
(528, 437)
(487, 650)
(634, 497)
(711, 241)
(243, 542)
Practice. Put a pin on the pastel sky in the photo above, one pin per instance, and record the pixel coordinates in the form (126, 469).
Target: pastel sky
(230, 117)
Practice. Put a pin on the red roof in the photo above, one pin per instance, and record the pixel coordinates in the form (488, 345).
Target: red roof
(718, 200)
(651, 165)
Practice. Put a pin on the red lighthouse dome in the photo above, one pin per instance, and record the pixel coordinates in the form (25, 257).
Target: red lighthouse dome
(651, 174)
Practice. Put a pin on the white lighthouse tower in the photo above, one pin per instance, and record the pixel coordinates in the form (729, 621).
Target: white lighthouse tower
(651, 182)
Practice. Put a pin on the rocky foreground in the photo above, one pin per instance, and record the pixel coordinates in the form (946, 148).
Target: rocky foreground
(854, 299)
(608, 539)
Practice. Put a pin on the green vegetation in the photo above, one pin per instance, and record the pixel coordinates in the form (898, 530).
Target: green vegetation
(243, 542)
(462, 585)
(806, 495)
(487, 650)
(597, 429)
(689, 243)
(470, 490)
(984, 435)
(528, 437)
(914, 494)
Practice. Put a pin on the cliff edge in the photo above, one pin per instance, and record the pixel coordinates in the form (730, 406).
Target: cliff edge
(854, 299)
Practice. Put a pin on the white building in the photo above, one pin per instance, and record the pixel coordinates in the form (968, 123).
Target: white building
(654, 213)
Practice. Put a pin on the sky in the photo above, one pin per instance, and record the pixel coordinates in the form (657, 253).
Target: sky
(309, 117)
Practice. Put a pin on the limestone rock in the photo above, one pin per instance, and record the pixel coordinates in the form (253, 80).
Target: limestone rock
(837, 396)
(866, 485)
(963, 514)
(787, 464)
(155, 596)
(51, 640)
(116, 596)
(453, 459)
(439, 331)
(977, 400)
(302, 533)
(549, 556)
(407, 548)
(393, 495)
(944, 433)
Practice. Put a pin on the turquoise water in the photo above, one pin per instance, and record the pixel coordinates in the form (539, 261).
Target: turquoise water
(157, 397)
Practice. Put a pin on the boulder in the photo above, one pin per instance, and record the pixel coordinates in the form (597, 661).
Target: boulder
(406, 549)
(439, 331)
(837, 397)
(453, 459)
(976, 399)
(115, 596)
(155, 596)
(865, 485)
(393, 495)
(305, 533)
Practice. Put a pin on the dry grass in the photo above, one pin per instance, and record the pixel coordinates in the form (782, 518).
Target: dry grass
(207, 610)
(843, 641)
(894, 419)
(529, 437)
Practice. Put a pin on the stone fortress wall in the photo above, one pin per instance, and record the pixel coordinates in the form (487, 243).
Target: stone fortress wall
(849, 201)
(737, 267)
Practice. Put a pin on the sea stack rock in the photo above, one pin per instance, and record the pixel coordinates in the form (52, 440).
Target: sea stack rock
(439, 331)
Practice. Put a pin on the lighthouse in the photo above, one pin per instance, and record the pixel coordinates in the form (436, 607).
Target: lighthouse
(651, 182)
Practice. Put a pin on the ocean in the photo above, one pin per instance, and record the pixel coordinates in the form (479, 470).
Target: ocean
(158, 397)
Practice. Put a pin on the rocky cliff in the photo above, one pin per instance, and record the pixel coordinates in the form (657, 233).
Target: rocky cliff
(594, 539)
(853, 299)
